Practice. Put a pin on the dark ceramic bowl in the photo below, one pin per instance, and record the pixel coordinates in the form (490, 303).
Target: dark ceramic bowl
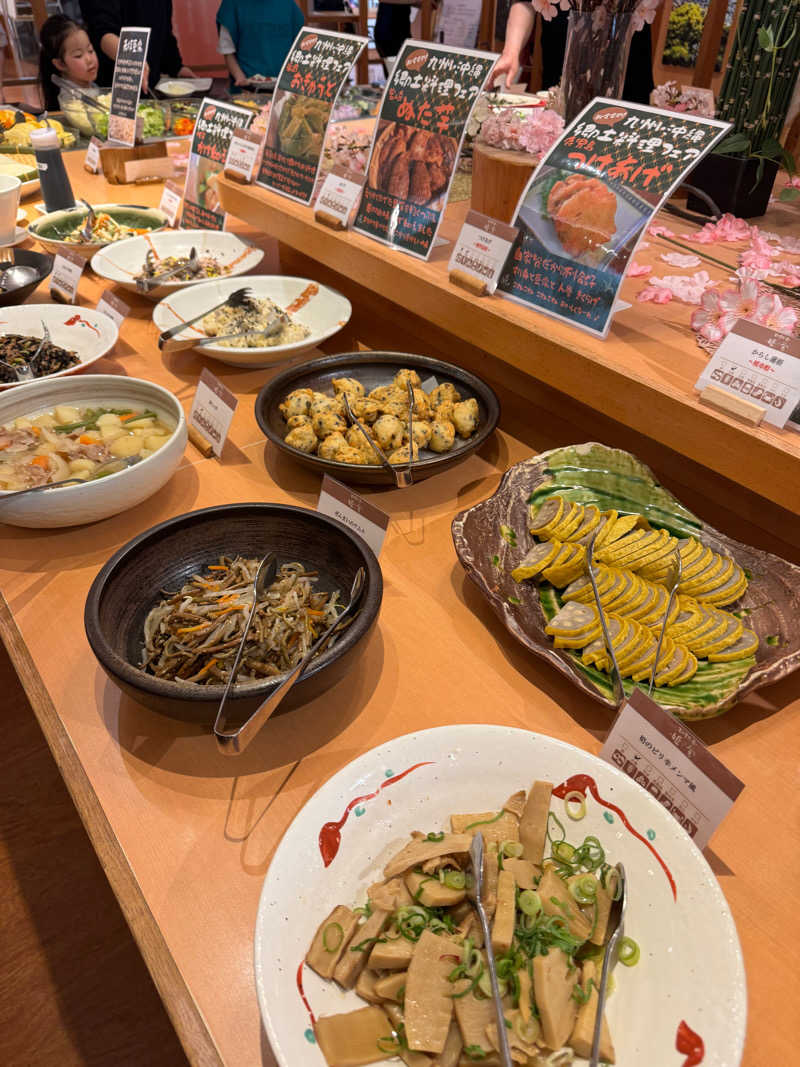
(373, 369)
(164, 557)
(42, 263)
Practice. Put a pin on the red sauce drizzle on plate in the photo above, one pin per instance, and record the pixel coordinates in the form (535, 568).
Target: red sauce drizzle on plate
(303, 299)
(690, 1044)
(302, 994)
(330, 836)
(77, 319)
(580, 783)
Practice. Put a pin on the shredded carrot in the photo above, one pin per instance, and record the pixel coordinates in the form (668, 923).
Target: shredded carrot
(217, 567)
(131, 415)
(209, 666)
(226, 611)
(193, 629)
(40, 461)
(315, 614)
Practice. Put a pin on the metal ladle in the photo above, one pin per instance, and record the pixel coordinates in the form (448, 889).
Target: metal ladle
(16, 275)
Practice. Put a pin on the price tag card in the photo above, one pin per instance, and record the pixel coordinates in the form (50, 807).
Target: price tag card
(243, 155)
(663, 755)
(92, 161)
(212, 410)
(127, 83)
(111, 305)
(759, 365)
(67, 270)
(338, 197)
(354, 512)
(482, 248)
(171, 200)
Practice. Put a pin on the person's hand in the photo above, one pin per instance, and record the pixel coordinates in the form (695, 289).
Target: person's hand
(146, 76)
(186, 72)
(241, 80)
(508, 66)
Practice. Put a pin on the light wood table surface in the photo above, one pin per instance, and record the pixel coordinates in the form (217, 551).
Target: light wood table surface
(186, 835)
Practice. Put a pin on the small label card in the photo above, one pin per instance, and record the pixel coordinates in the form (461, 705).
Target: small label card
(92, 161)
(171, 200)
(111, 305)
(212, 410)
(480, 253)
(127, 84)
(758, 365)
(338, 197)
(663, 755)
(354, 512)
(244, 153)
(67, 270)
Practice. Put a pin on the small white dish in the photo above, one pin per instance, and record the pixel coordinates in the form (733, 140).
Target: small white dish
(691, 969)
(75, 505)
(183, 86)
(320, 308)
(121, 262)
(88, 333)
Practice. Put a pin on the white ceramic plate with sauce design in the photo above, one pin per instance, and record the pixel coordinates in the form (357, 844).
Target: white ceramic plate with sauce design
(88, 333)
(684, 1004)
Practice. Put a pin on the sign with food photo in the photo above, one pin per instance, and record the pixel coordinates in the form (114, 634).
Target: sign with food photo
(424, 113)
(590, 201)
(212, 136)
(314, 72)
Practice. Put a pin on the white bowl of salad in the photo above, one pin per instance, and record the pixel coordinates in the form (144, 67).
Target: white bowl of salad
(113, 222)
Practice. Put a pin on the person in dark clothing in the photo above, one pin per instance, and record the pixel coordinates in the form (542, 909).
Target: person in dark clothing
(105, 18)
(392, 26)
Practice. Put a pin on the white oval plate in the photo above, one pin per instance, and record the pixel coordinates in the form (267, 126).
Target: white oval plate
(324, 311)
(86, 332)
(121, 262)
(691, 967)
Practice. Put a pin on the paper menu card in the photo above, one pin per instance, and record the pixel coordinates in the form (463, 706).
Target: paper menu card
(308, 86)
(415, 148)
(127, 83)
(209, 150)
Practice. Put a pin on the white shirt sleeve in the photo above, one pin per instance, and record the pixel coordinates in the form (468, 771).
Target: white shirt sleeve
(225, 45)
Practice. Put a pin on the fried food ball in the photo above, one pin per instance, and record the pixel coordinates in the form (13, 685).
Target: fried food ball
(331, 446)
(386, 392)
(398, 408)
(365, 409)
(445, 391)
(296, 403)
(465, 417)
(351, 455)
(406, 375)
(422, 433)
(348, 385)
(298, 420)
(327, 422)
(400, 455)
(443, 434)
(389, 432)
(320, 402)
(302, 437)
(356, 439)
(422, 408)
(444, 411)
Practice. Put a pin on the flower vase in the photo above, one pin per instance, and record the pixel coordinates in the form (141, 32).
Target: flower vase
(596, 58)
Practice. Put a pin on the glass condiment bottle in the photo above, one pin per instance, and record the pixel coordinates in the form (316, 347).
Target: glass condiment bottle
(56, 189)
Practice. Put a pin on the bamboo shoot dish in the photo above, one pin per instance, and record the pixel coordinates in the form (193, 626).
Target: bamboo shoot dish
(71, 442)
(414, 950)
(192, 635)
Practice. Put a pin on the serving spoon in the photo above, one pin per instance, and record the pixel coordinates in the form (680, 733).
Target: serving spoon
(122, 462)
(87, 232)
(616, 923)
(16, 275)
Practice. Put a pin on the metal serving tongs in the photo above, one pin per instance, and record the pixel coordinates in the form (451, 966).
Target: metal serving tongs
(144, 285)
(24, 371)
(88, 227)
(619, 692)
(233, 742)
(616, 923)
(99, 472)
(87, 98)
(475, 893)
(402, 478)
(238, 298)
(673, 580)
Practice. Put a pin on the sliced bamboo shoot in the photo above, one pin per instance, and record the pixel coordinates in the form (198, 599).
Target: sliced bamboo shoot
(554, 981)
(391, 955)
(428, 890)
(428, 1000)
(557, 900)
(330, 941)
(351, 1039)
(391, 986)
(505, 912)
(583, 1032)
(533, 824)
(417, 852)
(354, 959)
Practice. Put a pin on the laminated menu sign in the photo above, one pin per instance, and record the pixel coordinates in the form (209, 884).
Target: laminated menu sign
(315, 69)
(424, 113)
(209, 149)
(589, 202)
(127, 83)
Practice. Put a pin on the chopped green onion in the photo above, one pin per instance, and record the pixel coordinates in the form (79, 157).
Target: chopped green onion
(485, 985)
(390, 1045)
(584, 889)
(365, 910)
(495, 561)
(512, 848)
(514, 600)
(628, 952)
(484, 822)
(435, 837)
(475, 1052)
(529, 902)
(508, 535)
(563, 852)
(575, 797)
(526, 1031)
(368, 942)
(453, 879)
(338, 933)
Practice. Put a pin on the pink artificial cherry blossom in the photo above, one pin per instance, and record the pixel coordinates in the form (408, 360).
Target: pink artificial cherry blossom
(779, 317)
(706, 319)
(548, 9)
(656, 293)
(678, 259)
(639, 270)
(657, 230)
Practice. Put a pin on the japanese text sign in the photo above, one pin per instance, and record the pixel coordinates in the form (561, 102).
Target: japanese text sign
(212, 411)
(209, 149)
(482, 248)
(127, 83)
(424, 113)
(312, 75)
(589, 202)
(759, 364)
(68, 266)
(354, 512)
(663, 755)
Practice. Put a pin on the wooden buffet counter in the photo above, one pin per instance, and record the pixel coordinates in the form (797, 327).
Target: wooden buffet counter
(186, 835)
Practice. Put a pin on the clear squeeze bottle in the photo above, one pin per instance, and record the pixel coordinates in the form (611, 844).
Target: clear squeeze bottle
(56, 189)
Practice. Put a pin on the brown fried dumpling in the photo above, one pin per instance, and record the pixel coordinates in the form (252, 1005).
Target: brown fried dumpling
(400, 455)
(443, 434)
(331, 446)
(443, 392)
(351, 386)
(465, 417)
(327, 422)
(302, 437)
(296, 403)
(407, 375)
(389, 432)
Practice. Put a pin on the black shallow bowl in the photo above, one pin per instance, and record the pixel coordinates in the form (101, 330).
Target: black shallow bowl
(42, 263)
(164, 557)
(373, 369)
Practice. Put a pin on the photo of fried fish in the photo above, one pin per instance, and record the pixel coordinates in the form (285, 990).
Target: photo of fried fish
(583, 211)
